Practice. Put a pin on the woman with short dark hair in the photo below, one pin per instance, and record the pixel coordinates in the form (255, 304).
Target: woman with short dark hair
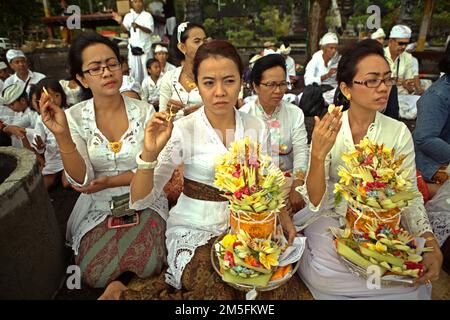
(285, 120)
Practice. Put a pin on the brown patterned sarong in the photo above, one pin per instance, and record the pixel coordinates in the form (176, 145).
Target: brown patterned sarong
(105, 254)
(441, 176)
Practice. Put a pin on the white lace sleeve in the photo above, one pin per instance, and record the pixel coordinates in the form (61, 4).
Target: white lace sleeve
(415, 217)
(80, 142)
(327, 201)
(300, 143)
(168, 160)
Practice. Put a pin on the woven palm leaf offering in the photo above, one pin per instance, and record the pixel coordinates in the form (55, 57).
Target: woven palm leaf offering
(377, 189)
(251, 254)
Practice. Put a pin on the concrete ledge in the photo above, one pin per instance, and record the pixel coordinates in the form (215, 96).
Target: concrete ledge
(31, 245)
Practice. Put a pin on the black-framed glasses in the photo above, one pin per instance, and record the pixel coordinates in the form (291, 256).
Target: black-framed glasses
(112, 65)
(375, 83)
(273, 85)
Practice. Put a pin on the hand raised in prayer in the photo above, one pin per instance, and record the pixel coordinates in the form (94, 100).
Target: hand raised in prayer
(53, 116)
(325, 133)
(157, 132)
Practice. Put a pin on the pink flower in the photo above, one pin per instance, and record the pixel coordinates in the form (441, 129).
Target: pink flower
(274, 124)
(236, 174)
(253, 161)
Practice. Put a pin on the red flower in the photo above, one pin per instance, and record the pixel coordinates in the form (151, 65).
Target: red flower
(228, 256)
(245, 191)
(411, 265)
(236, 174)
(237, 243)
(238, 194)
(287, 174)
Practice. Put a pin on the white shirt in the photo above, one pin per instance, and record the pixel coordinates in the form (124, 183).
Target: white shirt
(53, 161)
(290, 67)
(316, 68)
(34, 77)
(287, 133)
(393, 134)
(100, 160)
(26, 119)
(1, 85)
(168, 67)
(171, 88)
(72, 94)
(150, 89)
(404, 60)
(191, 222)
(139, 38)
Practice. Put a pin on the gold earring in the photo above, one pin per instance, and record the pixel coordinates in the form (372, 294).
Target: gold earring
(349, 97)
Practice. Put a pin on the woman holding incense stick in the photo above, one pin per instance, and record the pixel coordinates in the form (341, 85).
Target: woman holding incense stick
(178, 88)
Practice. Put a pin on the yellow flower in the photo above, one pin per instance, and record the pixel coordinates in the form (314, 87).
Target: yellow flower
(228, 240)
(268, 260)
(346, 177)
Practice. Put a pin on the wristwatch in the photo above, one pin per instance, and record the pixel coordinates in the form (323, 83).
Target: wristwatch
(141, 164)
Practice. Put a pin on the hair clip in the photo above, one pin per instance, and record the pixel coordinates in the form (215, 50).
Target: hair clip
(181, 29)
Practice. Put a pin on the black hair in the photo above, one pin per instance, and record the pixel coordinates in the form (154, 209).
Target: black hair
(444, 64)
(220, 48)
(81, 42)
(176, 56)
(351, 56)
(52, 84)
(150, 62)
(265, 63)
(123, 60)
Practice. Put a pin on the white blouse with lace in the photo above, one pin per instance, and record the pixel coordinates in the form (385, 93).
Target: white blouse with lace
(393, 134)
(91, 209)
(287, 133)
(191, 222)
(171, 88)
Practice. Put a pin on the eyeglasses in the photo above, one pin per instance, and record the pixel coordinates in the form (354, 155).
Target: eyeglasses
(273, 85)
(402, 44)
(112, 65)
(375, 83)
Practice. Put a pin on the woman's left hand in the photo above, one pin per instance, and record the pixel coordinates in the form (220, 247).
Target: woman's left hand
(432, 262)
(96, 185)
(288, 226)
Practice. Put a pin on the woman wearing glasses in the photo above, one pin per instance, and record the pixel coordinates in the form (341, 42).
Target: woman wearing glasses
(98, 140)
(285, 120)
(365, 80)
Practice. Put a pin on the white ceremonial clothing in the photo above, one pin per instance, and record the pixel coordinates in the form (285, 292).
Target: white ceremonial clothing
(150, 90)
(316, 68)
(33, 77)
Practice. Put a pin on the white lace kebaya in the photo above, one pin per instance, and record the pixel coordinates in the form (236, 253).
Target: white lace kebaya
(92, 209)
(192, 223)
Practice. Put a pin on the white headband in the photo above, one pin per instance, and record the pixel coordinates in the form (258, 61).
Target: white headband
(181, 29)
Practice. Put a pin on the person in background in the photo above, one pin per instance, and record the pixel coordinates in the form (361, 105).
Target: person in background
(43, 140)
(162, 54)
(379, 36)
(178, 90)
(285, 122)
(130, 88)
(17, 115)
(400, 61)
(72, 91)
(285, 50)
(124, 66)
(322, 67)
(139, 23)
(169, 14)
(4, 72)
(150, 86)
(22, 74)
(432, 132)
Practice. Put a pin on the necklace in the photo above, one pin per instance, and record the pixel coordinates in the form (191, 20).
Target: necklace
(115, 146)
(189, 81)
